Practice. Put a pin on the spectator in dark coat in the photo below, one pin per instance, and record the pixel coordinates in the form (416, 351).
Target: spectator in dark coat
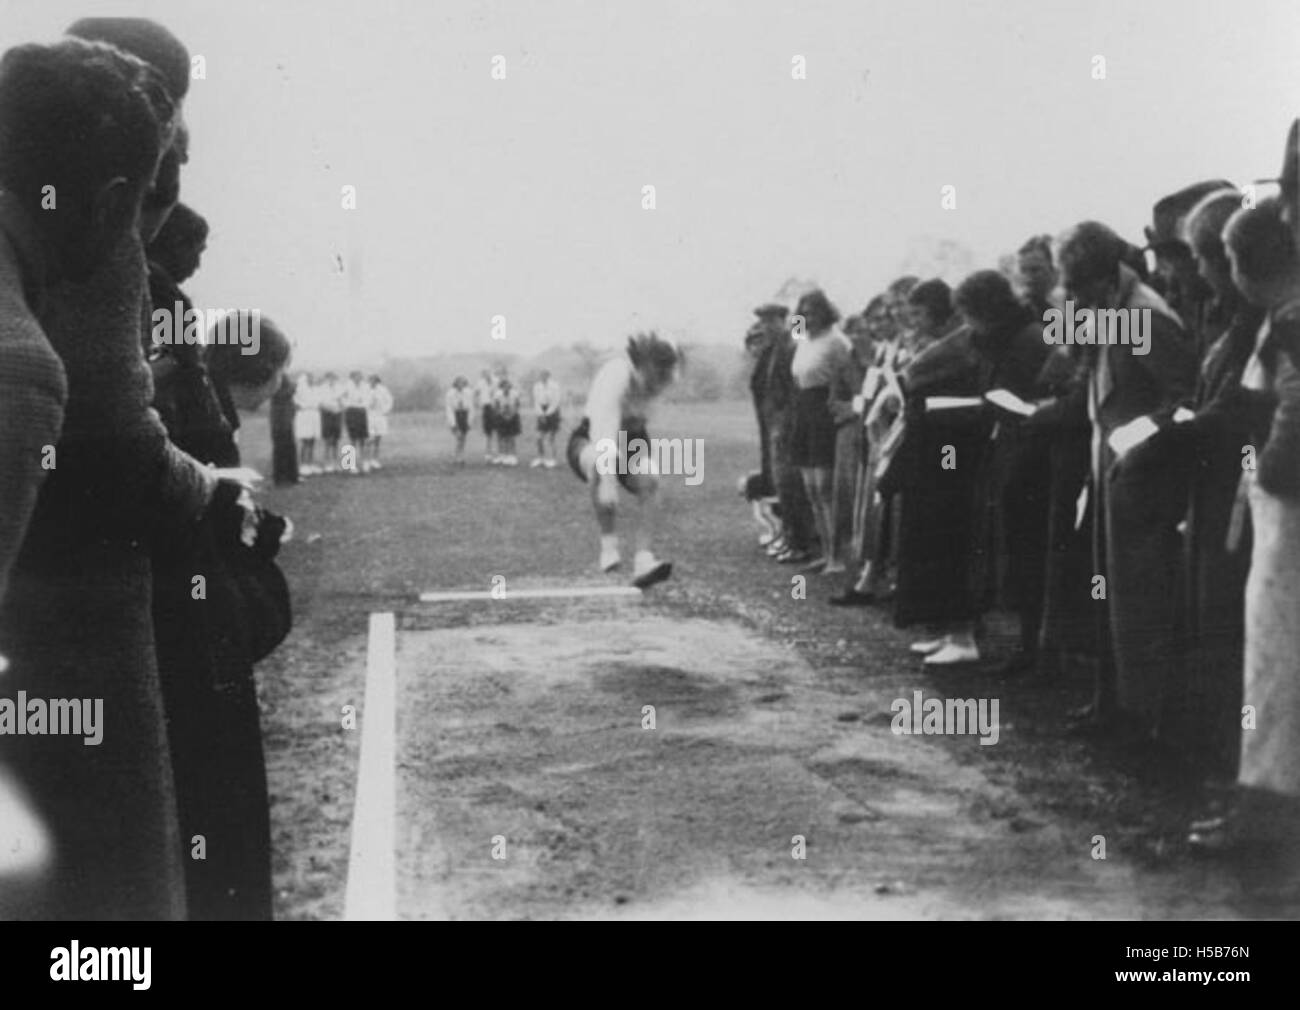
(760, 342)
(207, 645)
(76, 622)
(778, 404)
(183, 393)
(1139, 506)
(936, 473)
(207, 650)
(1207, 442)
(284, 449)
(1010, 542)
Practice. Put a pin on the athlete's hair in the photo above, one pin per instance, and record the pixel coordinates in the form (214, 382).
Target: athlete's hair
(650, 352)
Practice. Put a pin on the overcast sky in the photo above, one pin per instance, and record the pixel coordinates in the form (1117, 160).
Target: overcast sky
(523, 197)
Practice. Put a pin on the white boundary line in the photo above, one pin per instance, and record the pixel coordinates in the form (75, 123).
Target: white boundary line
(559, 592)
(372, 870)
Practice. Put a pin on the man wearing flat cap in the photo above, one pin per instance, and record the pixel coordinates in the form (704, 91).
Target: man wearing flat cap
(771, 348)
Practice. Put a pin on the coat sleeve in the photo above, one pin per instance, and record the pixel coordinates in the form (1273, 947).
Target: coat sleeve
(1279, 460)
(33, 391)
(1171, 363)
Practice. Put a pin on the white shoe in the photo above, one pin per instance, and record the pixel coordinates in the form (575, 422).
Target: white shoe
(952, 653)
(927, 647)
(647, 570)
(550, 464)
(376, 465)
(510, 461)
(609, 559)
(536, 463)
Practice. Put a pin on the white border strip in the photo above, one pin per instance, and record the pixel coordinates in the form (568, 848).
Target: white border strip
(559, 592)
(372, 869)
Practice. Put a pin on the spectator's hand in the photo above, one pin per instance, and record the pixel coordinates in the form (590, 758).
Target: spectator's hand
(249, 519)
(245, 477)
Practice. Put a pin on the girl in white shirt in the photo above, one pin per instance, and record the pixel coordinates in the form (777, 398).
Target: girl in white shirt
(459, 404)
(306, 424)
(379, 404)
(621, 397)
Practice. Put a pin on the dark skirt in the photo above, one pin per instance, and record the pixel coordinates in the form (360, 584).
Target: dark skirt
(812, 437)
(331, 425)
(937, 526)
(357, 422)
(508, 425)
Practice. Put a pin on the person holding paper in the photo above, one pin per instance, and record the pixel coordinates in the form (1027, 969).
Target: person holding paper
(935, 472)
(1010, 544)
(1138, 547)
(1205, 440)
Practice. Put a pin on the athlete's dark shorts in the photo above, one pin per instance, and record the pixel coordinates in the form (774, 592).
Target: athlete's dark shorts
(582, 435)
(489, 419)
(548, 424)
(508, 425)
(462, 421)
(331, 425)
(357, 423)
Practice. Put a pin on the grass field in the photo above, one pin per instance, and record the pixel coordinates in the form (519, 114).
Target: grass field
(523, 720)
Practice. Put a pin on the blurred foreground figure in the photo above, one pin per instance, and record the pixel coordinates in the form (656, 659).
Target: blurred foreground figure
(94, 123)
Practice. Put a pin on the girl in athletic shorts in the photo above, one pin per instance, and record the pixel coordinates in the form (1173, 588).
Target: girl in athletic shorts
(621, 397)
(483, 402)
(509, 424)
(460, 401)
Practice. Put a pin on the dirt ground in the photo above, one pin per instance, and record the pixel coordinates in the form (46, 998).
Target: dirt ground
(522, 721)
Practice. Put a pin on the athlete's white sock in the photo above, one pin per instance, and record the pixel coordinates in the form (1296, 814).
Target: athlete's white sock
(609, 556)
